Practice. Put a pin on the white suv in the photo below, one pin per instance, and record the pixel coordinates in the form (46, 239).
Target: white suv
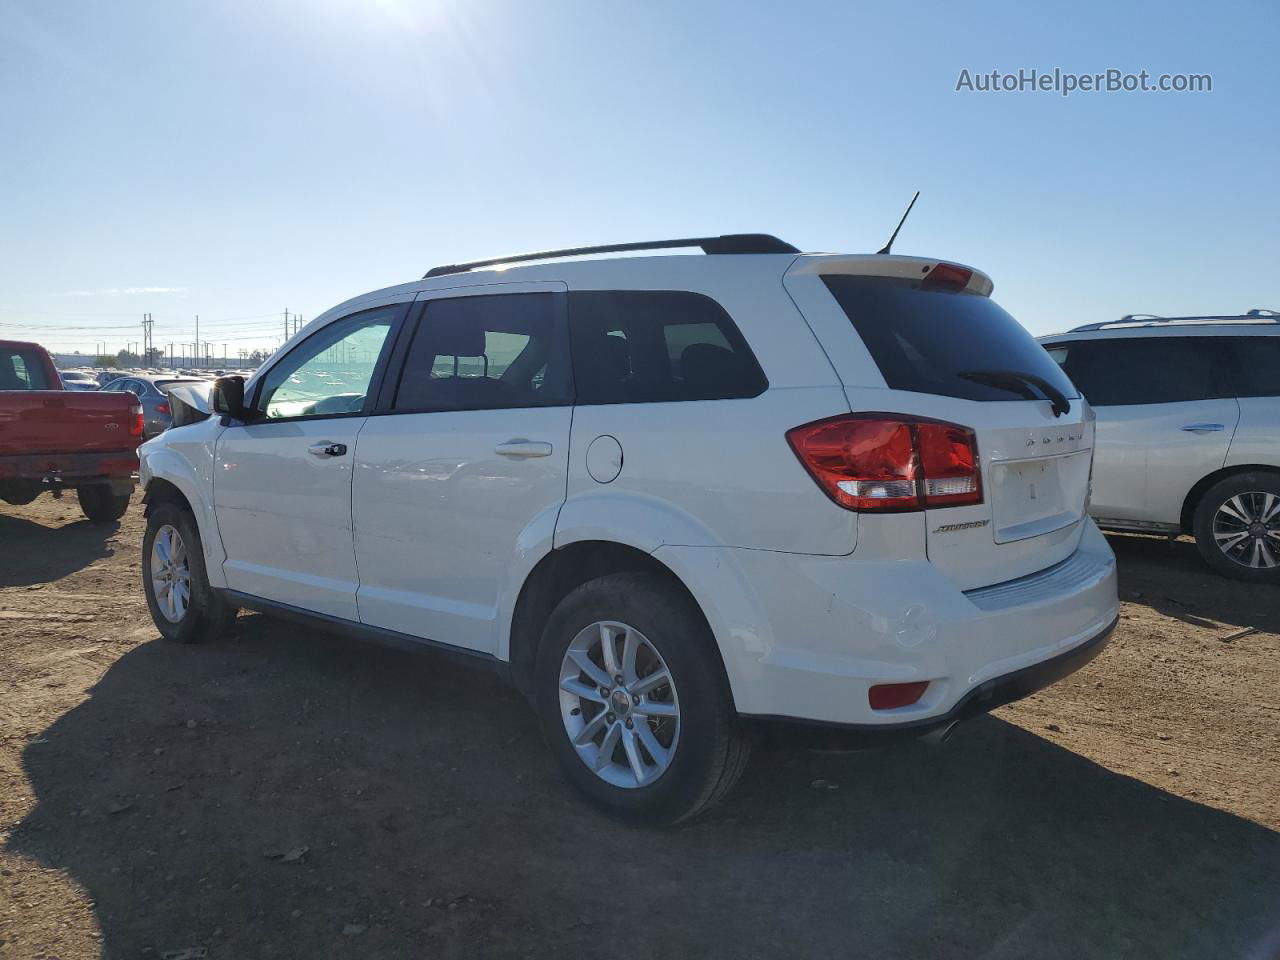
(1188, 431)
(677, 499)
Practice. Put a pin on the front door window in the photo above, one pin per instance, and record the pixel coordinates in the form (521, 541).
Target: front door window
(329, 373)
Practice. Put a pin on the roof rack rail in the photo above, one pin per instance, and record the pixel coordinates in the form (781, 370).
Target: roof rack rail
(728, 243)
(1135, 318)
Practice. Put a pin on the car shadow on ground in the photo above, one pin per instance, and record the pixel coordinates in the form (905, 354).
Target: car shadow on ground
(258, 795)
(60, 550)
(1161, 574)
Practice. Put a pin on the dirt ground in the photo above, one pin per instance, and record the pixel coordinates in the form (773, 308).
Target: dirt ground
(286, 793)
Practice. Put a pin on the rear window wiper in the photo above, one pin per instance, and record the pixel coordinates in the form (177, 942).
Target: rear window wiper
(1018, 382)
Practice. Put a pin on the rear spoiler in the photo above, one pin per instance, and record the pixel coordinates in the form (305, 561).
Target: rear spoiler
(891, 265)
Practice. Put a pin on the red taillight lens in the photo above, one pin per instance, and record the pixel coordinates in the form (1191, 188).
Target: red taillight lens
(949, 465)
(887, 696)
(162, 408)
(135, 421)
(888, 463)
(946, 276)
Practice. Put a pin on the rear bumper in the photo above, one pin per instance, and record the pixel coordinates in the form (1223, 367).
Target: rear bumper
(804, 638)
(981, 699)
(72, 469)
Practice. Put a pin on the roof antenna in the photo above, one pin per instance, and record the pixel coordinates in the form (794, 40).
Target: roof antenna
(885, 249)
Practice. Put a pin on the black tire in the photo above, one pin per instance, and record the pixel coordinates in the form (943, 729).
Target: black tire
(1263, 536)
(101, 505)
(207, 614)
(19, 492)
(711, 750)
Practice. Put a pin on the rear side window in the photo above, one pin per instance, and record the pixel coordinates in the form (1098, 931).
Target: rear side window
(1257, 364)
(656, 346)
(1145, 369)
(487, 352)
(22, 370)
(934, 341)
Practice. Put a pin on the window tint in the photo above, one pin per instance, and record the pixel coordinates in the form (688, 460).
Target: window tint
(1257, 363)
(22, 370)
(640, 346)
(931, 341)
(330, 372)
(1145, 369)
(486, 352)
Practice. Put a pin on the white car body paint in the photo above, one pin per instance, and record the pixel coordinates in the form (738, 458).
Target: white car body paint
(423, 529)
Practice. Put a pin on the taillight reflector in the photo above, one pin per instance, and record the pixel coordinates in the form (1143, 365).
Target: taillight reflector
(135, 421)
(162, 408)
(890, 463)
(887, 696)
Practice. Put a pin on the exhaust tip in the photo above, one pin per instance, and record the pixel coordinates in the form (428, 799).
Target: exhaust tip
(942, 734)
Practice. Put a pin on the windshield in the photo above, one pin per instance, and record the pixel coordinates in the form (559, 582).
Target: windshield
(943, 342)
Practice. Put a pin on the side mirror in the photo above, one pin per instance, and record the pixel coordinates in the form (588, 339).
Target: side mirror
(228, 398)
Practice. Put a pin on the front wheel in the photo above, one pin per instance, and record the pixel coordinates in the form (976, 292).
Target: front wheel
(633, 700)
(100, 504)
(1237, 527)
(182, 604)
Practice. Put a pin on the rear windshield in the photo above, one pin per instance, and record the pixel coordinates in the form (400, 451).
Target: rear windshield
(933, 341)
(22, 370)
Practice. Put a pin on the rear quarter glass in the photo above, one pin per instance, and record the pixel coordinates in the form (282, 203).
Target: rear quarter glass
(924, 340)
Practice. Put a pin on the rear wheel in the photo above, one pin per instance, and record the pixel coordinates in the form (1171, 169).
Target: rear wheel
(182, 604)
(633, 700)
(1237, 527)
(100, 504)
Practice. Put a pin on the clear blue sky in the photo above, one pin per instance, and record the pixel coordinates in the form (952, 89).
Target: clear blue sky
(235, 158)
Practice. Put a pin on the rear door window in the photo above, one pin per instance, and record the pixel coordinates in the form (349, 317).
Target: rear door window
(654, 346)
(935, 341)
(487, 352)
(1139, 370)
(1257, 366)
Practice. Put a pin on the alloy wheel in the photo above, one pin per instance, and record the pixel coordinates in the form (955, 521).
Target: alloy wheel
(170, 574)
(619, 704)
(1247, 529)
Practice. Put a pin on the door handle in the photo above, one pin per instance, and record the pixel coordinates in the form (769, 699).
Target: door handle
(1204, 427)
(327, 449)
(522, 449)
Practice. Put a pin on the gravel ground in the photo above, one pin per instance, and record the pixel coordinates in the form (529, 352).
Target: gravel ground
(285, 793)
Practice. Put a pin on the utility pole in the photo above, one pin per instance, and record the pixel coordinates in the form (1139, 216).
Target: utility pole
(197, 332)
(146, 337)
(286, 325)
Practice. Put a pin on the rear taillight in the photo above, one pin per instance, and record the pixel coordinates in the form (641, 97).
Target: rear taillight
(889, 463)
(162, 408)
(135, 421)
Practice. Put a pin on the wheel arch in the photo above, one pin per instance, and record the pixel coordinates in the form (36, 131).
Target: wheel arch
(560, 571)
(1194, 495)
(170, 478)
(160, 491)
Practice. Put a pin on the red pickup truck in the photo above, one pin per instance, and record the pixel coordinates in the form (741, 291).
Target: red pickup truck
(54, 439)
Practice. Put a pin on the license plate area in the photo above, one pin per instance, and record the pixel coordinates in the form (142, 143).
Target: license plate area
(1037, 496)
